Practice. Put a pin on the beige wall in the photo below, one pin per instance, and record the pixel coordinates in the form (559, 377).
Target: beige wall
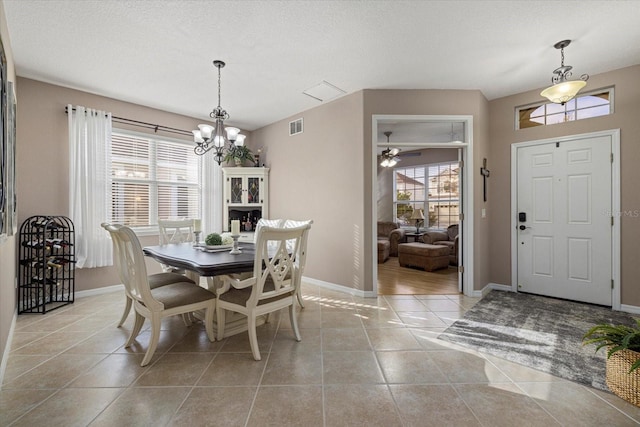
(385, 176)
(318, 175)
(43, 154)
(432, 102)
(7, 248)
(326, 174)
(503, 134)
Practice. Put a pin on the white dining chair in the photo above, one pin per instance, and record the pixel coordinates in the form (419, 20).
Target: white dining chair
(272, 286)
(264, 222)
(290, 223)
(156, 280)
(155, 304)
(287, 223)
(175, 231)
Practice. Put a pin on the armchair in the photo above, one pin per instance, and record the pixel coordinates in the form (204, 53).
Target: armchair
(445, 238)
(391, 232)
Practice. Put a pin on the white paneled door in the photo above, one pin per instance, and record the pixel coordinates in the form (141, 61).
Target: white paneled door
(564, 220)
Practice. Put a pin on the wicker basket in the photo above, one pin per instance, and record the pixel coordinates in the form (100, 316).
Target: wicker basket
(619, 380)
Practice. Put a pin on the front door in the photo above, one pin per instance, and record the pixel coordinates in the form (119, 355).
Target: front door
(564, 219)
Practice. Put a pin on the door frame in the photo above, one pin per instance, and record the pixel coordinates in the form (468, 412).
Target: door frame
(615, 204)
(465, 275)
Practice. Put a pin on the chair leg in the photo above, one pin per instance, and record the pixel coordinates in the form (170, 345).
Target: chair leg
(153, 342)
(137, 326)
(208, 323)
(187, 319)
(127, 309)
(294, 321)
(253, 337)
(299, 296)
(221, 320)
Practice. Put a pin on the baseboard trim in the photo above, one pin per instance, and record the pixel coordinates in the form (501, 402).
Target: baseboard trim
(7, 347)
(633, 309)
(99, 291)
(320, 283)
(339, 288)
(479, 293)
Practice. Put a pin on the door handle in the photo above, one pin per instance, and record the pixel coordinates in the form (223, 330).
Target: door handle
(523, 227)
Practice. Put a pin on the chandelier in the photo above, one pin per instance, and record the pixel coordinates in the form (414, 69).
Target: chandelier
(389, 156)
(209, 137)
(563, 89)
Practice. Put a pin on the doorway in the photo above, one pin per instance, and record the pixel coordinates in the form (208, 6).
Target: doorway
(411, 134)
(565, 231)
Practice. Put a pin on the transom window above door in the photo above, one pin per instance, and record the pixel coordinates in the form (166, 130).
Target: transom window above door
(593, 104)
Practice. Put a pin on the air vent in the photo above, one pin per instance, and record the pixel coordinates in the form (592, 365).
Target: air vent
(295, 127)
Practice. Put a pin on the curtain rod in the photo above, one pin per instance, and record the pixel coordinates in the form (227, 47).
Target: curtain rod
(145, 125)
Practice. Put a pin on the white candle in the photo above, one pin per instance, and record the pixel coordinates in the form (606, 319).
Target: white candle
(197, 225)
(235, 227)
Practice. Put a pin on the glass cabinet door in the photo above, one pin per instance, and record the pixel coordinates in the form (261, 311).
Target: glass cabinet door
(236, 190)
(253, 190)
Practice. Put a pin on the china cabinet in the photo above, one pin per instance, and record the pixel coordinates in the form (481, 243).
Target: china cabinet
(246, 198)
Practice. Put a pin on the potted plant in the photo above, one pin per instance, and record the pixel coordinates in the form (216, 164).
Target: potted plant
(623, 357)
(238, 154)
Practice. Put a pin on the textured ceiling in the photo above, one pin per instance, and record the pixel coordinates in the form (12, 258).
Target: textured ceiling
(160, 53)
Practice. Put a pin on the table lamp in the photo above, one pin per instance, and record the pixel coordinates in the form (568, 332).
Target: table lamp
(418, 216)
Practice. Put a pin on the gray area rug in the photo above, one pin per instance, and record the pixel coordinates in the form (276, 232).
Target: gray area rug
(538, 332)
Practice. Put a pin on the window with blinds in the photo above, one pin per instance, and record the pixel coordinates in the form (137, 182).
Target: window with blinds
(153, 179)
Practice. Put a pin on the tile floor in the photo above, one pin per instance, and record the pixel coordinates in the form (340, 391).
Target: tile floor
(361, 362)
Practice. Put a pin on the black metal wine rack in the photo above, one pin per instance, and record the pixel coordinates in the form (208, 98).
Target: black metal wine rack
(46, 264)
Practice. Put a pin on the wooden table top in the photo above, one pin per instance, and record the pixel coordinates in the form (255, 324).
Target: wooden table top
(184, 255)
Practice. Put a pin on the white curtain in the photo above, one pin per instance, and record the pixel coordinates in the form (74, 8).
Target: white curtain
(211, 196)
(89, 184)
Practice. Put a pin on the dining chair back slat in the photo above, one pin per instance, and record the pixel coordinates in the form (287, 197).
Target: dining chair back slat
(302, 259)
(175, 231)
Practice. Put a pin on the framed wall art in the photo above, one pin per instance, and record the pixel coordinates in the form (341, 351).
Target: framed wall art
(11, 222)
(3, 143)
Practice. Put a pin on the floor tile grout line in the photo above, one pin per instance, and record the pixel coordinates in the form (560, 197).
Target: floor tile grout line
(610, 404)
(521, 389)
(322, 389)
(457, 392)
(122, 391)
(264, 368)
(56, 355)
(215, 355)
(158, 359)
(57, 331)
(534, 400)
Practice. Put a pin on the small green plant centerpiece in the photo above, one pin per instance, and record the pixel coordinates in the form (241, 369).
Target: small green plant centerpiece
(238, 155)
(623, 357)
(215, 239)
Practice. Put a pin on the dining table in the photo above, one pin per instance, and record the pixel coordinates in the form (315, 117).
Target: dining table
(212, 264)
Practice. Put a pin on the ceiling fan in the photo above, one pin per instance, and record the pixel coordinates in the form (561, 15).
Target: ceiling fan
(390, 155)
